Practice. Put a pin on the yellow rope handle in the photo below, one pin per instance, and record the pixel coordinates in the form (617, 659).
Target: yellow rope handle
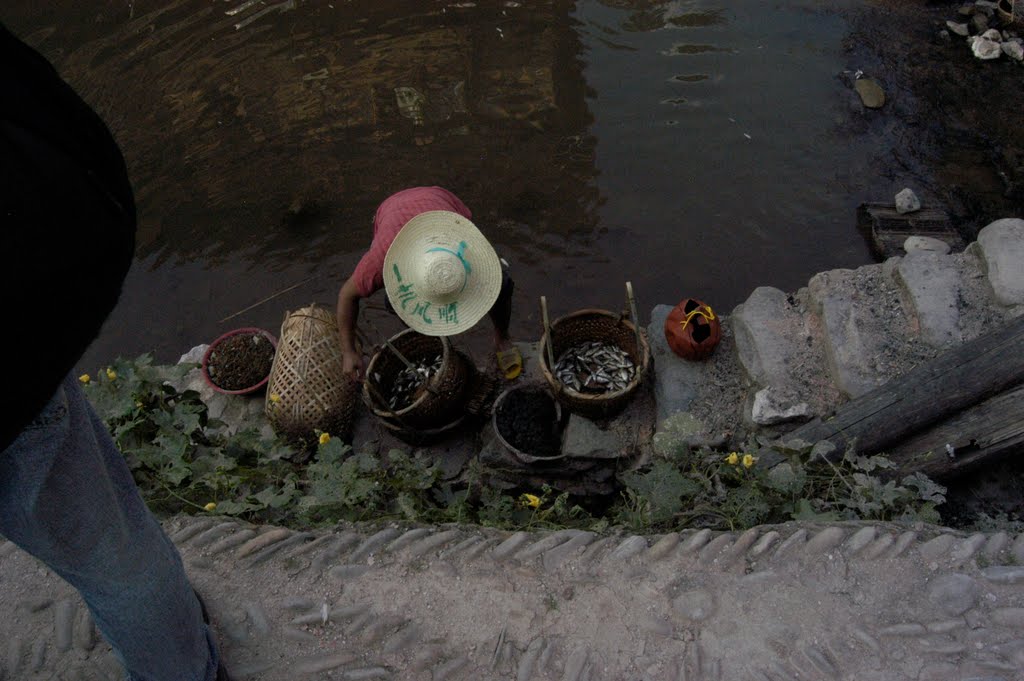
(699, 310)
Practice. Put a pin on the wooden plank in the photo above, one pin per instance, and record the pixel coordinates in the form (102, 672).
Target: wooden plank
(985, 432)
(952, 382)
(885, 229)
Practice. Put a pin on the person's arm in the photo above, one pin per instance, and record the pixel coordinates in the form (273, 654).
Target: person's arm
(348, 312)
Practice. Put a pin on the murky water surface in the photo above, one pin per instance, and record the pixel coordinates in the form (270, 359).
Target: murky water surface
(693, 147)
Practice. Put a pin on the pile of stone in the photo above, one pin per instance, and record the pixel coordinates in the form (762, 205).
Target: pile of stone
(989, 32)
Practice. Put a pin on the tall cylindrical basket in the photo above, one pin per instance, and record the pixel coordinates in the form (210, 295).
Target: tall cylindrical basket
(308, 390)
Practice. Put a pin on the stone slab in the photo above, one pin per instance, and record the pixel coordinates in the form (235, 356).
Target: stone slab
(586, 439)
(949, 295)
(780, 347)
(767, 335)
(868, 338)
(772, 406)
(676, 381)
(933, 284)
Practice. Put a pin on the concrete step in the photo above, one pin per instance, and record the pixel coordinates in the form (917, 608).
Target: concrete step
(796, 601)
(950, 298)
(852, 330)
(869, 337)
(780, 347)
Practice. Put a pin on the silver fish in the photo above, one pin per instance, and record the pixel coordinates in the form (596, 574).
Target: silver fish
(408, 382)
(595, 367)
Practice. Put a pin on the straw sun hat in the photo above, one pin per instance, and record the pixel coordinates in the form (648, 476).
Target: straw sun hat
(441, 274)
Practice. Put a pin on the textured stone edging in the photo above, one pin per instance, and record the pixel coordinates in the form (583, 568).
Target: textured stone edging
(793, 601)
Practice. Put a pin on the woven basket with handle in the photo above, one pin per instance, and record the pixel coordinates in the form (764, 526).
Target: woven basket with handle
(440, 401)
(308, 390)
(584, 326)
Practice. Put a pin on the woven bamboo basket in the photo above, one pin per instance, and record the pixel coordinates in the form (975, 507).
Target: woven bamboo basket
(422, 437)
(439, 402)
(479, 399)
(586, 326)
(308, 390)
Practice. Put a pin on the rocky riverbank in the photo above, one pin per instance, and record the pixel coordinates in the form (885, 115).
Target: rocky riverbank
(948, 127)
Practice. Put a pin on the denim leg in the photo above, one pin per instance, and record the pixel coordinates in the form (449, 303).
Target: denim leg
(68, 498)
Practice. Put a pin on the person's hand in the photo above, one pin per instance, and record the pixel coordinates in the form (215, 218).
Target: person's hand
(352, 365)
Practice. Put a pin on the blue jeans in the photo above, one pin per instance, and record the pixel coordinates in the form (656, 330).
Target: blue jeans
(68, 498)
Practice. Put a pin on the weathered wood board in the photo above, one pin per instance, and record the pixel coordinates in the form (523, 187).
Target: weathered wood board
(905, 406)
(886, 230)
(982, 433)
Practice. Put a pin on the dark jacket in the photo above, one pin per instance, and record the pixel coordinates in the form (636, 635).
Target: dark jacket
(67, 229)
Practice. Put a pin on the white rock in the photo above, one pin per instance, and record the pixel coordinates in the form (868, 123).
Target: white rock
(925, 243)
(985, 49)
(771, 408)
(1013, 49)
(1002, 247)
(907, 201)
(993, 35)
(959, 29)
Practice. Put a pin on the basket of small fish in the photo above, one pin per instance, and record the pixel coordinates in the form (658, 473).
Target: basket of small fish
(594, 360)
(418, 383)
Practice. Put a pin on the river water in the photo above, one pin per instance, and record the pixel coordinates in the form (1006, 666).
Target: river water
(693, 147)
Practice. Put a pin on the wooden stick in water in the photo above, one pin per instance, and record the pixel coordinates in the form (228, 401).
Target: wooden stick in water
(268, 298)
(547, 332)
(636, 319)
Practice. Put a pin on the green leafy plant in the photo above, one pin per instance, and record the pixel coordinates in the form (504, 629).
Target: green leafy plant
(184, 460)
(705, 488)
(357, 485)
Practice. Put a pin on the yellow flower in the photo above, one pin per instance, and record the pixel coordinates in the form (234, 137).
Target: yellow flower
(275, 398)
(210, 506)
(111, 374)
(748, 460)
(732, 459)
(324, 438)
(530, 500)
(84, 379)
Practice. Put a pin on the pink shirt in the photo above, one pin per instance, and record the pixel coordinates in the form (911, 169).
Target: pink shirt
(392, 214)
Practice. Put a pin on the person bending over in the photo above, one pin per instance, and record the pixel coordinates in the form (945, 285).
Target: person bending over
(440, 273)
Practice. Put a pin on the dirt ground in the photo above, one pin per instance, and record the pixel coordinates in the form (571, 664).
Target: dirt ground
(957, 129)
